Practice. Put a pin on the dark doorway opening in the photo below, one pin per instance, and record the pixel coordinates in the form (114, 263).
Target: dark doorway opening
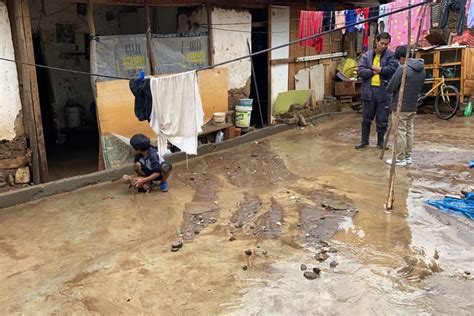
(71, 150)
(260, 65)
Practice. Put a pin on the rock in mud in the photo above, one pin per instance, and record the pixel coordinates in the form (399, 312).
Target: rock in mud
(467, 189)
(317, 270)
(436, 255)
(311, 275)
(303, 267)
(322, 257)
(231, 238)
(245, 268)
(248, 252)
(333, 264)
(11, 180)
(467, 273)
(177, 244)
(264, 252)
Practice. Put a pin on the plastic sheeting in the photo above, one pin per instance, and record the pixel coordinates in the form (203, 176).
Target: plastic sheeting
(458, 206)
(126, 55)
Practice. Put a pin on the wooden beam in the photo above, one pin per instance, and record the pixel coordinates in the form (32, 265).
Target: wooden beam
(149, 41)
(36, 106)
(19, 44)
(210, 37)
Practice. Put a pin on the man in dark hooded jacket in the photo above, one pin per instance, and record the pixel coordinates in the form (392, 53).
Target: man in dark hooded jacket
(415, 80)
(376, 68)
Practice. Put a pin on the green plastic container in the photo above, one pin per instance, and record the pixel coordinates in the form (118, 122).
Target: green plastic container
(468, 109)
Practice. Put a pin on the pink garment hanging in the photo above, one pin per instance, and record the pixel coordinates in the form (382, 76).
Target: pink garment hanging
(311, 22)
(398, 24)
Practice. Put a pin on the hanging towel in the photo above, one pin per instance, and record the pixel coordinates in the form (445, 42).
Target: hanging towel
(470, 15)
(340, 20)
(384, 21)
(311, 22)
(351, 18)
(398, 24)
(177, 115)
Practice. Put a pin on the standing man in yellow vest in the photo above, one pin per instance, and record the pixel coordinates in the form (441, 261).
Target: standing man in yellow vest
(376, 68)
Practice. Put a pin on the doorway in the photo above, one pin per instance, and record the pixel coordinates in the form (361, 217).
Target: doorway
(260, 65)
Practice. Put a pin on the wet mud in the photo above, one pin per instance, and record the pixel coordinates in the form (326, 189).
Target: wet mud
(252, 218)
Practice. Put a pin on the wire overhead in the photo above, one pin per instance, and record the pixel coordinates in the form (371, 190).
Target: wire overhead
(374, 18)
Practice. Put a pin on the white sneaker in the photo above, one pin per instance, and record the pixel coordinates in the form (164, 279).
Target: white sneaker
(408, 160)
(400, 163)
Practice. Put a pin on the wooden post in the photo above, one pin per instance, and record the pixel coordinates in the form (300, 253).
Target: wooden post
(19, 43)
(269, 66)
(210, 36)
(149, 42)
(391, 189)
(36, 106)
(93, 69)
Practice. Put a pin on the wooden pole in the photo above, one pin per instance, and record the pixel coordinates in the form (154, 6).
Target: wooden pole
(391, 189)
(210, 36)
(18, 35)
(36, 106)
(387, 136)
(149, 41)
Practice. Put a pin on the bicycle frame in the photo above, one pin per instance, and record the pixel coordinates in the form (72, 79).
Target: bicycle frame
(440, 82)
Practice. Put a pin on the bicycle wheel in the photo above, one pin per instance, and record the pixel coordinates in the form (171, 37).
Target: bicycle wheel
(446, 109)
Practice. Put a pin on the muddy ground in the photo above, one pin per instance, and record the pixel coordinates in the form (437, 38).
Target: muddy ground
(252, 219)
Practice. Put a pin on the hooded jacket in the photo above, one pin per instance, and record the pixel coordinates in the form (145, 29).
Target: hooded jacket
(415, 80)
(365, 72)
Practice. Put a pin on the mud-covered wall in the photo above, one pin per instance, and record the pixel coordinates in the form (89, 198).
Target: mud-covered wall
(14, 155)
(11, 122)
(229, 42)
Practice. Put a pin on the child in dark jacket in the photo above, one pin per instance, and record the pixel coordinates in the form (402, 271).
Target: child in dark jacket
(148, 167)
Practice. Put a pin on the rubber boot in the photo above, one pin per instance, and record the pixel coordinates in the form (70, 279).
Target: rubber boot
(364, 140)
(381, 140)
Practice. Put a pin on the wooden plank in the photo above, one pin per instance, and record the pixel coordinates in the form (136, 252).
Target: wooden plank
(213, 85)
(115, 103)
(19, 43)
(43, 163)
(149, 42)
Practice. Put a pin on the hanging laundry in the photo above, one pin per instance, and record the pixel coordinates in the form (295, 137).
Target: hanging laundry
(470, 15)
(143, 100)
(398, 24)
(351, 18)
(311, 23)
(384, 21)
(177, 115)
(454, 6)
(363, 14)
(374, 11)
(340, 20)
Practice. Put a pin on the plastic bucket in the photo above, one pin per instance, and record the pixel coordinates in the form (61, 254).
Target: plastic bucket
(246, 102)
(219, 117)
(243, 115)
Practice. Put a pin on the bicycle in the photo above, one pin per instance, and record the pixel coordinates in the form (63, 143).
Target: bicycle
(447, 99)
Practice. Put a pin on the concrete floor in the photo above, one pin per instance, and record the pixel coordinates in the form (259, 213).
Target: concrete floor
(101, 250)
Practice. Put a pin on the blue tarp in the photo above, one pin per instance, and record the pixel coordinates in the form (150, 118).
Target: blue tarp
(459, 206)
(471, 163)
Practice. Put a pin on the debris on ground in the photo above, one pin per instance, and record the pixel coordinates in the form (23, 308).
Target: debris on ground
(176, 245)
(303, 267)
(333, 264)
(248, 252)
